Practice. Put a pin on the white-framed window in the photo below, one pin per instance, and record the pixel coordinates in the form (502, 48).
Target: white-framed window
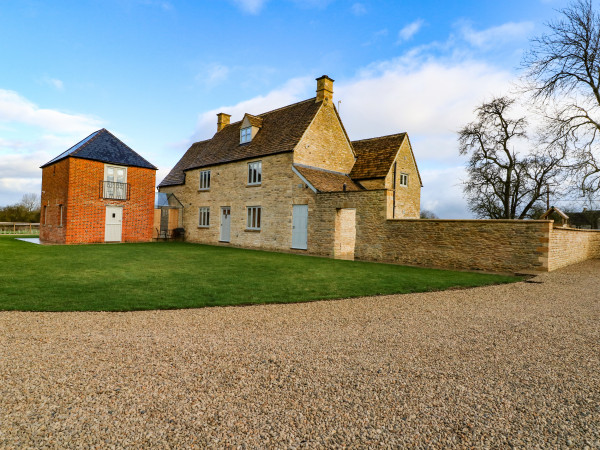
(203, 216)
(255, 172)
(204, 180)
(115, 182)
(60, 211)
(117, 174)
(45, 214)
(403, 179)
(254, 213)
(245, 135)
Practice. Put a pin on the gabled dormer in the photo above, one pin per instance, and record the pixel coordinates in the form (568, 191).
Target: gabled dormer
(249, 127)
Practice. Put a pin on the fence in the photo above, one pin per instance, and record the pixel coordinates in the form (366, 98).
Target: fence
(19, 228)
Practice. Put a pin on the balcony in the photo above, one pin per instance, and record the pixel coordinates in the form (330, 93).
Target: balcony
(113, 190)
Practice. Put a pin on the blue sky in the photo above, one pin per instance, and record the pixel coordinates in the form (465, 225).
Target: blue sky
(155, 72)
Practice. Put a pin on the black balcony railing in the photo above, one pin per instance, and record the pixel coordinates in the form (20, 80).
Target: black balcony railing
(114, 190)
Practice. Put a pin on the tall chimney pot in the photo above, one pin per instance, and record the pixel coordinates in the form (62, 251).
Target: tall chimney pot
(324, 89)
(222, 121)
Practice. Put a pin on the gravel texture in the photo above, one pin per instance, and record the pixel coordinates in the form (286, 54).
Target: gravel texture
(500, 366)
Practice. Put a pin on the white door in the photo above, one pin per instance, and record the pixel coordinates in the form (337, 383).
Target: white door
(225, 223)
(114, 224)
(300, 227)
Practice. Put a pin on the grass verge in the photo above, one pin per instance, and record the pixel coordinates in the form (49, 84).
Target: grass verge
(126, 277)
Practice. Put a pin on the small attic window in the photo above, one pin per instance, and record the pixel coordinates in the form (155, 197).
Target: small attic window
(245, 135)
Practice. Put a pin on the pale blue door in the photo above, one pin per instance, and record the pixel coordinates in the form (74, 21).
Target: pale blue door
(300, 227)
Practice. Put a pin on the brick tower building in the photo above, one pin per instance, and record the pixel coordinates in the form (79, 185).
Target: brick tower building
(99, 190)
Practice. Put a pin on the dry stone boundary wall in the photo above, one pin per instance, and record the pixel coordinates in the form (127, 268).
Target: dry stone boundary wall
(570, 246)
(488, 245)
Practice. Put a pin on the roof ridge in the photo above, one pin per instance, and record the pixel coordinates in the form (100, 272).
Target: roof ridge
(287, 106)
(132, 150)
(262, 114)
(380, 137)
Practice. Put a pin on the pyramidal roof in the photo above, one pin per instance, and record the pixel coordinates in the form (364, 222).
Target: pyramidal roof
(103, 146)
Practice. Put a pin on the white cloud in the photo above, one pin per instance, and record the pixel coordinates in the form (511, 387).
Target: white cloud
(442, 192)
(376, 37)
(358, 9)
(496, 36)
(15, 108)
(213, 74)
(31, 136)
(409, 30)
(55, 83)
(251, 6)
(290, 92)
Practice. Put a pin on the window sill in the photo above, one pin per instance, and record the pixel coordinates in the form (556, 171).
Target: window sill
(250, 230)
(254, 185)
(203, 190)
(203, 226)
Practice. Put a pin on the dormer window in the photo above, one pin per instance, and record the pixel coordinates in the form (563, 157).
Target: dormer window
(245, 135)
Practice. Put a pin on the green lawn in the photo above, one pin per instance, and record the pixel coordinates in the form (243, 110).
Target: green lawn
(124, 277)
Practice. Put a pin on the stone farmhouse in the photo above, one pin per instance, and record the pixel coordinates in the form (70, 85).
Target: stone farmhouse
(99, 190)
(290, 179)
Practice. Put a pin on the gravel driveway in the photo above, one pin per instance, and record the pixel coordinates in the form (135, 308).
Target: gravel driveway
(511, 365)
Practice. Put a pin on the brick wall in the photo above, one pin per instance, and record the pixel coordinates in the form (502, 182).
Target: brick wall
(55, 182)
(569, 246)
(76, 182)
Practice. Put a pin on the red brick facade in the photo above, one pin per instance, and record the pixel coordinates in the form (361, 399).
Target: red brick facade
(74, 183)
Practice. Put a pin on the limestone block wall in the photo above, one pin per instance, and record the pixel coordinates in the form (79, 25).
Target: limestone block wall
(370, 216)
(279, 190)
(569, 246)
(408, 198)
(490, 245)
(324, 143)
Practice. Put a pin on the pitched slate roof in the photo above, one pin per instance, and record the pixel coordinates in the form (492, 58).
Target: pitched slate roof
(280, 132)
(374, 157)
(326, 180)
(103, 146)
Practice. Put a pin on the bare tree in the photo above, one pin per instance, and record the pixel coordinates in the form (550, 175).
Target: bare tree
(505, 183)
(31, 202)
(427, 214)
(563, 73)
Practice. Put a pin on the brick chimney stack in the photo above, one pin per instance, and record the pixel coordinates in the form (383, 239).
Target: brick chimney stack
(324, 89)
(222, 121)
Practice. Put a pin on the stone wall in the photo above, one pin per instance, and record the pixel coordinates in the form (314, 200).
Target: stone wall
(324, 144)
(490, 245)
(569, 246)
(408, 198)
(279, 190)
